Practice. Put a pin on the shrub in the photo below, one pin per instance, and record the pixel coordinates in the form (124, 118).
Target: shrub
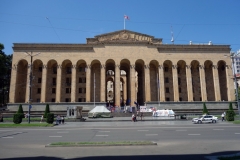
(230, 115)
(47, 110)
(231, 108)
(205, 111)
(17, 118)
(50, 118)
(20, 110)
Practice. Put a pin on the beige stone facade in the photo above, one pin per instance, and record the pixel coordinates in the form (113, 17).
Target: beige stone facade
(77, 73)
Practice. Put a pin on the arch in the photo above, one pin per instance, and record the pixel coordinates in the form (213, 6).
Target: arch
(222, 80)
(21, 81)
(37, 80)
(80, 83)
(95, 81)
(196, 80)
(168, 80)
(154, 80)
(208, 67)
(182, 80)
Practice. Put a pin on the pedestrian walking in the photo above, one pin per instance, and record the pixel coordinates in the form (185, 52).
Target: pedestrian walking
(223, 117)
(141, 115)
(62, 119)
(41, 119)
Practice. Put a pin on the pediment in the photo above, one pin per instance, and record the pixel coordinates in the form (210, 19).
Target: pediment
(123, 36)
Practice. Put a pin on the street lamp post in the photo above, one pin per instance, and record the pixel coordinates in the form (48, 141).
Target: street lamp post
(232, 55)
(30, 85)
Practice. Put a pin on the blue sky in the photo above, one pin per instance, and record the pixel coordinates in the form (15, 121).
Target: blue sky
(72, 21)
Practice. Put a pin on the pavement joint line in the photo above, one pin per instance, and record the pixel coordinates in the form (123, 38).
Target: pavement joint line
(237, 133)
(143, 130)
(194, 134)
(63, 132)
(103, 131)
(151, 134)
(218, 129)
(102, 135)
(180, 130)
(55, 136)
(7, 137)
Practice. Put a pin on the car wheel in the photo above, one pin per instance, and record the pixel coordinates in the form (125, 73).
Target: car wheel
(214, 121)
(199, 122)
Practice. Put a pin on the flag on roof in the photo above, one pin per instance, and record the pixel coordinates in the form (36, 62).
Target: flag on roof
(126, 17)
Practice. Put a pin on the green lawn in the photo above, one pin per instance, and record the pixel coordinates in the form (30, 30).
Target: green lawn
(6, 125)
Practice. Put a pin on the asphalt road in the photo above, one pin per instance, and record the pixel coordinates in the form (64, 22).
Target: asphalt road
(175, 139)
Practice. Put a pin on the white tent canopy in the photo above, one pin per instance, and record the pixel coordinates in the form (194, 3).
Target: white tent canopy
(99, 109)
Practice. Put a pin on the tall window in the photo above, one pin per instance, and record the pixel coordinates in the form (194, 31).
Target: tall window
(39, 80)
(39, 90)
(167, 90)
(68, 90)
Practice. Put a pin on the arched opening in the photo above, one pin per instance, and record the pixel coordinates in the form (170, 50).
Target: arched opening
(37, 80)
(208, 65)
(222, 80)
(66, 81)
(182, 81)
(196, 81)
(80, 91)
(168, 81)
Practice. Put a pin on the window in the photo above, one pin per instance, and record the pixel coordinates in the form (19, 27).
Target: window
(166, 69)
(53, 90)
(68, 81)
(38, 99)
(167, 99)
(80, 80)
(53, 99)
(39, 80)
(167, 90)
(79, 99)
(178, 70)
(81, 69)
(68, 90)
(39, 90)
(166, 80)
(54, 81)
(179, 81)
(68, 100)
(79, 90)
(84, 90)
(54, 70)
(40, 69)
(180, 90)
(180, 98)
(69, 70)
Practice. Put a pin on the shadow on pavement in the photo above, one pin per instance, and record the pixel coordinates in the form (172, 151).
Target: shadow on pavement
(134, 157)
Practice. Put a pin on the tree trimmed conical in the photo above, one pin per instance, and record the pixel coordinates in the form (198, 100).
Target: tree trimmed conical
(47, 110)
(205, 111)
(231, 108)
(20, 110)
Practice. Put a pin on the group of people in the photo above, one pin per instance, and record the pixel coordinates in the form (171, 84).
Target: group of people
(59, 120)
(134, 117)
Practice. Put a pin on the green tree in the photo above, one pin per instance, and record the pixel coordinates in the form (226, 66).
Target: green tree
(231, 108)
(205, 110)
(5, 73)
(20, 110)
(47, 110)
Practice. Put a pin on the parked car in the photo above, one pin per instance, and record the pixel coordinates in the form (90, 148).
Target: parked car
(205, 119)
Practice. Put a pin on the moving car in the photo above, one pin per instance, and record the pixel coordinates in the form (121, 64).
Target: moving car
(205, 119)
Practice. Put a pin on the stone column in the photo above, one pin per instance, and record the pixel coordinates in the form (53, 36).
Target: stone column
(28, 83)
(216, 83)
(189, 83)
(103, 83)
(125, 90)
(88, 83)
(132, 84)
(44, 83)
(117, 85)
(175, 83)
(230, 85)
(59, 85)
(161, 81)
(203, 82)
(12, 89)
(147, 83)
(73, 85)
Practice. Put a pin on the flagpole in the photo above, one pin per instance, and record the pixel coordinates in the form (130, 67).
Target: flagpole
(158, 90)
(124, 22)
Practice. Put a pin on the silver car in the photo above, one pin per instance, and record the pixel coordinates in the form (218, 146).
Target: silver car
(205, 119)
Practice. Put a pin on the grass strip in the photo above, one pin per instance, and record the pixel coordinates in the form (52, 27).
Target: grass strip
(119, 143)
(9, 125)
(236, 122)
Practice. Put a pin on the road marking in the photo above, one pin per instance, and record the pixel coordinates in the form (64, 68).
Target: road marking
(62, 132)
(143, 130)
(5, 130)
(237, 133)
(103, 131)
(151, 134)
(7, 137)
(55, 136)
(218, 129)
(194, 134)
(180, 130)
(102, 135)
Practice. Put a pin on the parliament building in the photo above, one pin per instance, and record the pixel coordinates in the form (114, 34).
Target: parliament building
(121, 68)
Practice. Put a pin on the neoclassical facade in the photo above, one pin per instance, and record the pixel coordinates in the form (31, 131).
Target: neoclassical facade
(140, 67)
